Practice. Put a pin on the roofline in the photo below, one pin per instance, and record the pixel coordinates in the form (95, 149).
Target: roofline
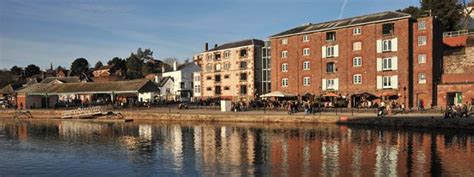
(328, 29)
(63, 93)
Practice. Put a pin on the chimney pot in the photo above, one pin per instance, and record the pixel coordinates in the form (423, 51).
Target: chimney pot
(206, 46)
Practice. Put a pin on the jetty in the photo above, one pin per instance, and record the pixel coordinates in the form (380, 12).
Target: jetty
(97, 113)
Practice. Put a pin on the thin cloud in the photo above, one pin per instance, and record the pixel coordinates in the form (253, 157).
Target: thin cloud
(342, 8)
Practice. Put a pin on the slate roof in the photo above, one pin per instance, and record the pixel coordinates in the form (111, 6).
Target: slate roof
(9, 89)
(164, 80)
(238, 44)
(62, 79)
(131, 86)
(353, 21)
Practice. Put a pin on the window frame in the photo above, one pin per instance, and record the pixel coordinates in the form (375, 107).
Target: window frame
(333, 67)
(284, 41)
(359, 46)
(357, 79)
(357, 62)
(420, 41)
(386, 82)
(284, 82)
(387, 64)
(356, 31)
(306, 38)
(422, 60)
(387, 45)
(330, 52)
(331, 36)
(284, 54)
(306, 65)
(421, 25)
(284, 67)
(306, 52)
(306, 81)
(421, 78)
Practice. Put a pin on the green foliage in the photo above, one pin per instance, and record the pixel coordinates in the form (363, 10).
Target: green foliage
(144, 55)
(119, 64)
(79, 66)
(134, 67)
(17, 70)
(449, 12)
(31, 70)
(6, 77)
(98, 65)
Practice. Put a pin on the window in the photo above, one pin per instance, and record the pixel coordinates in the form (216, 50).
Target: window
(421, 40)
(357, 79)
(197, 78)
(330, 84)
(284, 82)
(357, 61)
(209, 67)
(306, 81)
(284, 54)
(217, 90)
(226, 76)
(387, 82)
(305, 38)
(243, 65)
(306, 52)
(330, 67)
(209, 56)
(330, 36)
(182, 85)
(217, 56)
(226, 54)
(357, 46)
(386, 45)
(421, 25)
(284, 41)
(243, 89)
(330, 51)
(388, 29)
(217, 78)
(208, 88)
(208, 78)
(197, 89)
(421, 58)
(306, 65)
(217, 67)
(284, 67)
(356, 31)
(421, 78)
(387, 64)
(243, 76)
(243, 52)
(226, 66)
(226, 88)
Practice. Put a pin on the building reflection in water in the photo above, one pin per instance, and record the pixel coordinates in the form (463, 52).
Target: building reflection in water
(256, 150)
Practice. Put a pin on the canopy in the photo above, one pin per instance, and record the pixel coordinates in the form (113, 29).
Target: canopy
(331, 95)
(277, 94)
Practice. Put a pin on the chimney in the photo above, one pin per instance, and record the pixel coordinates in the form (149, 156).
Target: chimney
(157, 79)
(174, 66)
(215, 45)
(162, 69)
(206, 46)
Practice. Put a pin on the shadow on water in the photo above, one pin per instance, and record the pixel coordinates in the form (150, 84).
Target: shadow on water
(36, 147)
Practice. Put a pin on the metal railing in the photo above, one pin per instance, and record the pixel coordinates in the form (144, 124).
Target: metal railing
(456, 33)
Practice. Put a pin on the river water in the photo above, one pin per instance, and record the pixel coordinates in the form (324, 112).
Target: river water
(78, 148)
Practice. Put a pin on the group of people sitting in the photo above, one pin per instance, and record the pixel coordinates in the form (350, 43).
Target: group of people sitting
(455, 111)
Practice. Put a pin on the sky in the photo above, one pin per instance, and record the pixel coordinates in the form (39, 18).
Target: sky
(41, 32)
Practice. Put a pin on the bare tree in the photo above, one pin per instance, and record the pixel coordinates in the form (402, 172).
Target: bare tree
(468, 10)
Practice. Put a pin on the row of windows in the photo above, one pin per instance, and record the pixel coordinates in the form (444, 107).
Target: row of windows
(356, 79)
(218, 66)
(217, 55)
(217, 78)
(217, 89)
(356, 62)
(330, 36)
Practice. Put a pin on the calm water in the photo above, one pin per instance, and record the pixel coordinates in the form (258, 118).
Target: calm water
(72, 148)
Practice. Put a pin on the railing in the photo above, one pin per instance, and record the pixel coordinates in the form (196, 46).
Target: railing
(456, 33)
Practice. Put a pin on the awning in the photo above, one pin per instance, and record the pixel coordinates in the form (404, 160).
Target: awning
(331, 95)
(277, 94)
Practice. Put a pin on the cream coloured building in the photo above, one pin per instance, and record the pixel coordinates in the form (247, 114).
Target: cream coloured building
(232, 70)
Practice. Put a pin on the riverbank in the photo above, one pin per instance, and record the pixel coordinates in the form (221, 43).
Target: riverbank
(414, 120)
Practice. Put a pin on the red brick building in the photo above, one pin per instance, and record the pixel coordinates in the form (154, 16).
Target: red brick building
(374, 54)
(457, 81)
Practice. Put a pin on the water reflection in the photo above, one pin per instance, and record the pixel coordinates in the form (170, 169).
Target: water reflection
(148, 149)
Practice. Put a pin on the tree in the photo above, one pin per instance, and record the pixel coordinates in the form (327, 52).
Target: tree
(144, 55)
(31, 70)
(449, 12)
(118, 64)
(17, 70)
(467, 13)
(6, 77)
(79, 66)
(134, 67)
(170, 61)
(98, 65)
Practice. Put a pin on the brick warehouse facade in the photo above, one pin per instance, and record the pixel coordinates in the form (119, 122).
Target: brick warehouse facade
(232, 71)
(372, 54)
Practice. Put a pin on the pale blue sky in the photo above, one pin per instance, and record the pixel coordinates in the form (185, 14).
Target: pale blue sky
(59, 31)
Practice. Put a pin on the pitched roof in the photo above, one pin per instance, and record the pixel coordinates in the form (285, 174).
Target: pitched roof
(61, 79)
(238, 44)
(185, 65)
(164, 80)
(131, 86)
(9, 89)
(353, 21)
